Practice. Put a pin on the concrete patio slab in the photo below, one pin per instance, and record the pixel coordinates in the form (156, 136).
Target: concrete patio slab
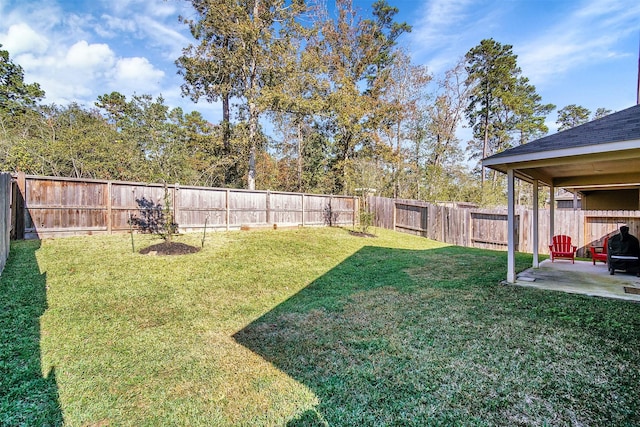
(581, 278)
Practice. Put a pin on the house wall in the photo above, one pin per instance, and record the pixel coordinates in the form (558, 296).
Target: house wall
(612, 200)
(568, 204)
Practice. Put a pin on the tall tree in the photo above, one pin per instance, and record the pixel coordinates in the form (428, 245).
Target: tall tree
(492, 73)
(16, 95)
(404, 97)
(601, 112)
(209, 68)
(502, 101)
(18, 101)
(528, 112)
(84, 145)
(70, 141)
(571, 116)
(241, 46)
(438, 137)
(357, 53)
(208, 161)
(574, 115)
(156, 133)
(297, 99)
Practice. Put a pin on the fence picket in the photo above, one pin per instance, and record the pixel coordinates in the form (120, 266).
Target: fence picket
(52, 206)
(487, 228)
(5, 217)
(56, 207)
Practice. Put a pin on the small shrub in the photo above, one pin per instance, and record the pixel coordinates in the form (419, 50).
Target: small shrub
(366, 220)
(170, 227)
(156, 218)
(151, 218)
(367, 217)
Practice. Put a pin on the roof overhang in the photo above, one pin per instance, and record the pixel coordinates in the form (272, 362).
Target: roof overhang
(589, 167)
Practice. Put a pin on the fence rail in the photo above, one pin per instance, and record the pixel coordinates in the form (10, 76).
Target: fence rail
(41, 207)
(54, 207)
(482, 228)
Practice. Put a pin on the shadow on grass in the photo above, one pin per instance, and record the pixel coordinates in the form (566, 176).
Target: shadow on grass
(26, 396)
(402, 337)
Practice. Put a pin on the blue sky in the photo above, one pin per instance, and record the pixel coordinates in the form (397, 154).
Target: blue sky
(574, 51)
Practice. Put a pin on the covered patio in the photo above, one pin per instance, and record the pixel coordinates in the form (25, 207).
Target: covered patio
(581, 278)
(599, 160)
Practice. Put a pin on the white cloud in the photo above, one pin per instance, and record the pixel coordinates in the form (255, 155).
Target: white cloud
(118, 6)
(447, 29)
(22, 38)
(162, 9)
(85, 56)
(587, 36)
(167, 37)
(83, 71)
(66, 52)
(136, 75)
(111, 26)
(439, 17)
(41, 16)
(69, 74)
(157, 8)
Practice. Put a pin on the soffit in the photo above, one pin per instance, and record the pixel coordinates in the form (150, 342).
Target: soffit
(614, 168)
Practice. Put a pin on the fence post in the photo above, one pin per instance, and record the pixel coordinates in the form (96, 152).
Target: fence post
(20, 205)
(356, 209)
(14, 198)
(268, 207)
(227, 215)
(331, 211)
(302, 209)
(393, 207)
(176, 208)
(109, 209)
(6, 186)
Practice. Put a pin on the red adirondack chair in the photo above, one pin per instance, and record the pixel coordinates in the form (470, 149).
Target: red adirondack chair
(600, 255)
(562, 248)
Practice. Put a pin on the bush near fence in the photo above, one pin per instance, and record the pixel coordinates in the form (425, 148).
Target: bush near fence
(55, 207)
(487, 228)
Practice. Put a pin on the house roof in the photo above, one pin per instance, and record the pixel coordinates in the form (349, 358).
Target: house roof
(603, 152)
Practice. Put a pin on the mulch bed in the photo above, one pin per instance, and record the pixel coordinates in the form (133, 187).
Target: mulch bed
(169, 248)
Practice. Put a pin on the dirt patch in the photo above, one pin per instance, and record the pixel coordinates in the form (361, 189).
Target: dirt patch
(169, 248)
(361, 234)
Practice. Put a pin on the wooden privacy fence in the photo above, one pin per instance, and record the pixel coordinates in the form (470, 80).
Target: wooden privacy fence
(5, 217)
(484, 228)
(62, 206)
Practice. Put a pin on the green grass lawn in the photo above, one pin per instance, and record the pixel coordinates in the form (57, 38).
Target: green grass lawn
(303, 327)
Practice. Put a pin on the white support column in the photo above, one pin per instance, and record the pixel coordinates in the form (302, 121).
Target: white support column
(552, 212)
(511, 239)
(536, 225)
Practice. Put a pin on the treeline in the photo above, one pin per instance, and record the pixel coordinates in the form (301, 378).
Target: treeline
(346, 108)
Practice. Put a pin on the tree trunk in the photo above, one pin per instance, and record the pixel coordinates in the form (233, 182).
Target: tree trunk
(253, 133)
(299, 157)
(226, 124)
(396, 177)
(485, 143)
(253, 109)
